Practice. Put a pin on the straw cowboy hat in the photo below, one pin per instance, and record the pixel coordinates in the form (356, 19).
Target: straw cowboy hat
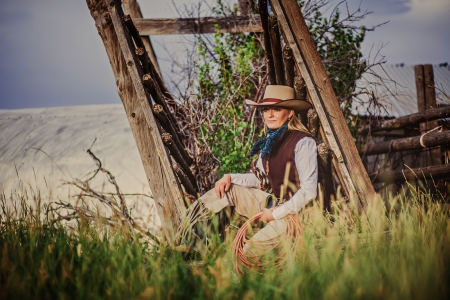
(283, 96)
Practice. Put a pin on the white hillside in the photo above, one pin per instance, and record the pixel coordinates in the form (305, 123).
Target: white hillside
(48, 146)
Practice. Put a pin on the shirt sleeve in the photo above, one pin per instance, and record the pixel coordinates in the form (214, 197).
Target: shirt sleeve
(306, 164)
(247, 180)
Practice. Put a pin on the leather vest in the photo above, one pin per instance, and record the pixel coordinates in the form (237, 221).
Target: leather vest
(280, 167)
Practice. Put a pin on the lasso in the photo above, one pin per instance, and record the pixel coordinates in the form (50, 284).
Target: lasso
(285, 243)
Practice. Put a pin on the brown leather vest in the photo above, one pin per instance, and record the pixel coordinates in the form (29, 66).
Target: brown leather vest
(280, 165)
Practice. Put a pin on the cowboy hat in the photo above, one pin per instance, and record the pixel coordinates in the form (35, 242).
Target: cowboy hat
(282, 96)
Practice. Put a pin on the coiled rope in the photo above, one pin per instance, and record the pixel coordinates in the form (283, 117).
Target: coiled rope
(285, 243)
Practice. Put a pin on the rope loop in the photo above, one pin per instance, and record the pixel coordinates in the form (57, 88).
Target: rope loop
(245, 260)
(422, 143)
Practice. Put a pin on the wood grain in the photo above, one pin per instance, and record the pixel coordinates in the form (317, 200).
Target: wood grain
(434, 155)
(425, 173)
(234, 24)
(430, 140)
(409, 120)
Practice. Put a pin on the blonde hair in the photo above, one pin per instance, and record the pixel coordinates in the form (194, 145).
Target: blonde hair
(294, 124)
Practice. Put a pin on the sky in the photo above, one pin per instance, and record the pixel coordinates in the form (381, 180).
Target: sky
(51, 54)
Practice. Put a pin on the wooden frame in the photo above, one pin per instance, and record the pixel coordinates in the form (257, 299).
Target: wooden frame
(165, 188)
(335, 130)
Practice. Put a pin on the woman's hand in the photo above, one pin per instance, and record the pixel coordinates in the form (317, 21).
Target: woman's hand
(267, 215)
(222, 186)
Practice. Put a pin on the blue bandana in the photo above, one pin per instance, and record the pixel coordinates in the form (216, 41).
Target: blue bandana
(266, 143)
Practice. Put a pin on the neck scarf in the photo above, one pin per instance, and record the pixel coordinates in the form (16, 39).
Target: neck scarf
(266, 143)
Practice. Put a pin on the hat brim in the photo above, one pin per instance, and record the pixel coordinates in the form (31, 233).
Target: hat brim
(295, 104)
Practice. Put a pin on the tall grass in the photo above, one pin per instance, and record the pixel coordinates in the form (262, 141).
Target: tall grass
(400, 249)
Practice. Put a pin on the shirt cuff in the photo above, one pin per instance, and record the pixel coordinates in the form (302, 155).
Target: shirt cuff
(279, 212)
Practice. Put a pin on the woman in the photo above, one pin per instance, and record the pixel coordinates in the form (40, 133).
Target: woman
(282, 182)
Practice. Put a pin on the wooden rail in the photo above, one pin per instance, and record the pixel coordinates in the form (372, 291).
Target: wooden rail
(234, 24)
(429, 140)
(412, 119)
(425, 173)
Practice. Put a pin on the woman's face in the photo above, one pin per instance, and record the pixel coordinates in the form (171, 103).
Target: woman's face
(275, 117)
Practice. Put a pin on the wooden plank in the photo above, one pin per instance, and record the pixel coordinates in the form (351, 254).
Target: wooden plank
(165, 188)
(434, 155)
(277, 53)
(336, 132)
(289, 68)
(409, 120)
(263, 12)
(425, 173)
(431, 139)
(132, 8)
(234, 24)
(420, 88)
(421, 103)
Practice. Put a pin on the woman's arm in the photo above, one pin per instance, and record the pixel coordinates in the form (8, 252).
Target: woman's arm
(306, 164)
(247, 180)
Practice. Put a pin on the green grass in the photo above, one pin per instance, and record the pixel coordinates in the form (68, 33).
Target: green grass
(397, 251)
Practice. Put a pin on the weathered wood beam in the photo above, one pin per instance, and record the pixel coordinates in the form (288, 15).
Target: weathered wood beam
(313, 123)
(420, 88)
(277, 53)
(301, 93)
(426, 173)
(189, 182)
(336, 132)
(434, 156)
(154, 90)
(234, 24)
(263, 12)
(164, 185)
(189, 188)
(325, 157)
(432, 139)
(289, 68)
(132, 8)
(430, 93)
(149, 69)
(163, 119)
(412, 119)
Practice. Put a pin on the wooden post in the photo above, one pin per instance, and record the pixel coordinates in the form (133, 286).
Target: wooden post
(420, 87)
(324, 153)
(265, 25)
(165, 188)
(430, 103)
(301, 93)
(313, 123)
(132, 8)
(336, 132)
(277, 54)
(426, 99)
(289, 69)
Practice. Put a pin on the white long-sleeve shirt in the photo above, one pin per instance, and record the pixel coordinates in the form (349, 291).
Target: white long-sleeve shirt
(306, 164)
